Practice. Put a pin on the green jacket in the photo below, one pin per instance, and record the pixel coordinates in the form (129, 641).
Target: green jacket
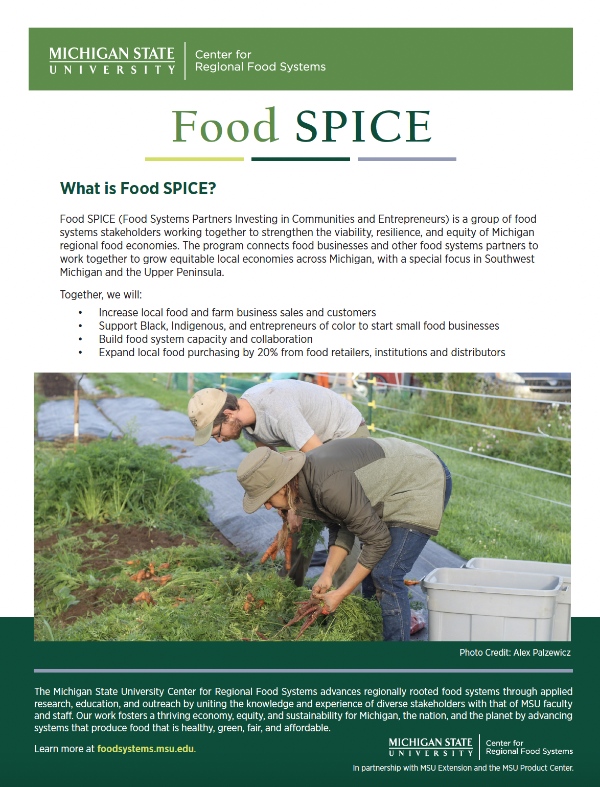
(369, 485)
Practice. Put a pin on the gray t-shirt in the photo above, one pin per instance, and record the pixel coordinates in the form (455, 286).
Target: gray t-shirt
(289, 412)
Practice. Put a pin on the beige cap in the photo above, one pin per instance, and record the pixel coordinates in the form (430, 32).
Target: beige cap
(203, 408)
(264, 472)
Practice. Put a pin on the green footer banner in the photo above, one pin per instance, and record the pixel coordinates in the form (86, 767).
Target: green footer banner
(243, 712)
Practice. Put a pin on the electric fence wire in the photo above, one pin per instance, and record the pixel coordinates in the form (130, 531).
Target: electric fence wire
(469, 393)
(468, 423)
(508, 489)
(480, 456)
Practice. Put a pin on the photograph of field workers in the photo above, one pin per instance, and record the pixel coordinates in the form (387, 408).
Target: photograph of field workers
(303, 506)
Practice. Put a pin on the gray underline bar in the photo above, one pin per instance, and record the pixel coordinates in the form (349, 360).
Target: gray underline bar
(407, 158)
(306, 671)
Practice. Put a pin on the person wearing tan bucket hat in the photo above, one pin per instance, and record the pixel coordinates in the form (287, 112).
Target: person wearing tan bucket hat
(389, 493)
(203, 408)
(279, 414)
(265, 473)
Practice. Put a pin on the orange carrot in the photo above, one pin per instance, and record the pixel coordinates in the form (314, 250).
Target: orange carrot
(247, 606)
(144, 596)
(288, 553)
(271, 551)
(260, 603)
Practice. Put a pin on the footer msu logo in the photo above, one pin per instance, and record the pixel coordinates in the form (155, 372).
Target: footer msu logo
(431, 747)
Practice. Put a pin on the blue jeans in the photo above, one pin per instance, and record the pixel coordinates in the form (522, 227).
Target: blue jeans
(387, 578)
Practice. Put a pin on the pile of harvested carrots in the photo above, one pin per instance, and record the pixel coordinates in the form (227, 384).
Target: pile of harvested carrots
(148, 574)
(250, 601)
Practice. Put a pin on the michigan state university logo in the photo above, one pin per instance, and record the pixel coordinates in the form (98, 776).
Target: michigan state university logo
(112, 60)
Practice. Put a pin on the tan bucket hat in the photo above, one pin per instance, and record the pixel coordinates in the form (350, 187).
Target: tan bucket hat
(203, 408)
(264, 472)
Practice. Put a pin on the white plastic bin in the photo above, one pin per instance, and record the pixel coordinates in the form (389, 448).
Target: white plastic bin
(562, 618)
(470, 606)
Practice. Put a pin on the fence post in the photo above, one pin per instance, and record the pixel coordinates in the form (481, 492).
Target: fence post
(349, 385)
(371, 404)
(76, 412)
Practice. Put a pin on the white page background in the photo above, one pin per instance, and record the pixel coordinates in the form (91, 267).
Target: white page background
(518, 152)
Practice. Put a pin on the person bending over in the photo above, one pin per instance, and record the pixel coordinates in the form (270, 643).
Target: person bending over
(389, 493)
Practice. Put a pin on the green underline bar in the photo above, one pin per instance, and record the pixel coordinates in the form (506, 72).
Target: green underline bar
(300, 158)
(188, 158)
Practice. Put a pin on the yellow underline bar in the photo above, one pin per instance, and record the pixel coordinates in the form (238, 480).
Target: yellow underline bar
(189, 158)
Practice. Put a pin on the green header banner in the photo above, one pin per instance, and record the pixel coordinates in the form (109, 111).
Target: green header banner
(300, 59)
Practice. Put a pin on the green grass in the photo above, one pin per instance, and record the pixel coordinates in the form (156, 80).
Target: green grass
(62, 569)
(105, 481)
(116, 481)
(483, 521)
(213, 609)
(153, 386)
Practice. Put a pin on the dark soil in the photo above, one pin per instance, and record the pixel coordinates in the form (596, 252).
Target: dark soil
(91, 601)
(56, 384)
(120, 542)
